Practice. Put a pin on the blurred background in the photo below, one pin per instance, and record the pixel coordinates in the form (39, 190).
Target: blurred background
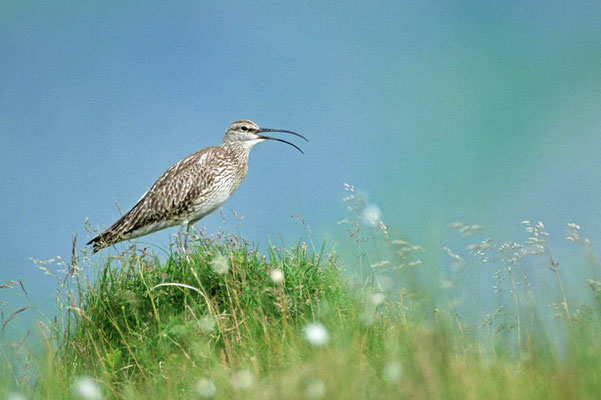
(482, 112)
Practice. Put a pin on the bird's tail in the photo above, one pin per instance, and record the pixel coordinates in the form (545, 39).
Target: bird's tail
(105, 239)
(110, 236)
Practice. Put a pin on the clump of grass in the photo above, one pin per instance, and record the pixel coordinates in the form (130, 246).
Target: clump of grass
(216, 307)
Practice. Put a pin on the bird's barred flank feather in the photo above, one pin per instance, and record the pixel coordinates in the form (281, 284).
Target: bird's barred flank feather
(191, 188)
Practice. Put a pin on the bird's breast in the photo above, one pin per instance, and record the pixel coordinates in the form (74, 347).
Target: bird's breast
(222, 186)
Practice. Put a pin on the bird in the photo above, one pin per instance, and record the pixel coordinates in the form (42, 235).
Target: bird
(193, 187)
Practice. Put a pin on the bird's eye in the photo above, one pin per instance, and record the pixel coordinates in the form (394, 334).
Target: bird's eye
(244, 128)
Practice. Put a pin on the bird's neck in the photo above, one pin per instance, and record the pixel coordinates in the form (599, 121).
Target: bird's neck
(238, 150)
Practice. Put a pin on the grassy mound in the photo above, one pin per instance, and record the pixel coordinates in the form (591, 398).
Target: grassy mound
(157, 325)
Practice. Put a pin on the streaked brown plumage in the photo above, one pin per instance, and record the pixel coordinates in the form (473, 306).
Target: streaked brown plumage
(191, 188)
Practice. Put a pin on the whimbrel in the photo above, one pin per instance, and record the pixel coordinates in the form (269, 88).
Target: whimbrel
(193, 187)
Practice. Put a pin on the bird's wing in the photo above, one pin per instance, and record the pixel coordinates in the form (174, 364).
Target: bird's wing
(173, 193)
(171, 196)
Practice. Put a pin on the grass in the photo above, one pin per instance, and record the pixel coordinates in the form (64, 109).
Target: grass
(224, 321)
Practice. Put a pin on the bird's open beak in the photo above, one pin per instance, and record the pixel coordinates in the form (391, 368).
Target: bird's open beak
(281, 140)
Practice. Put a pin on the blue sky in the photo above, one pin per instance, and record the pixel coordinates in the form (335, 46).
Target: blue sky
(484, 112)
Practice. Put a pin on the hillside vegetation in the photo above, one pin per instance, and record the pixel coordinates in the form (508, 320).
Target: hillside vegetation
(222, 320)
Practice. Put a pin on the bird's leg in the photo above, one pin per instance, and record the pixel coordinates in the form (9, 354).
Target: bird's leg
(183, 246)
(186, 239)
(182, 239)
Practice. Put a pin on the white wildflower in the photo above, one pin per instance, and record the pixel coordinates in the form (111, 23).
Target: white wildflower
(377, 298)
(206, 388)
(316, 389)
(244, 379)
(316, 334)
(220, 264)
(87, 388)
(277, 276)
(207, 323)
(393, 371)
(372, 215)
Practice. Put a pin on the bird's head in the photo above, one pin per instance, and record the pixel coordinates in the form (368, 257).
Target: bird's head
(250, 134)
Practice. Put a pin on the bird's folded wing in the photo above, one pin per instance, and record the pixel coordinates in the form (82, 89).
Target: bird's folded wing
(174, 193)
